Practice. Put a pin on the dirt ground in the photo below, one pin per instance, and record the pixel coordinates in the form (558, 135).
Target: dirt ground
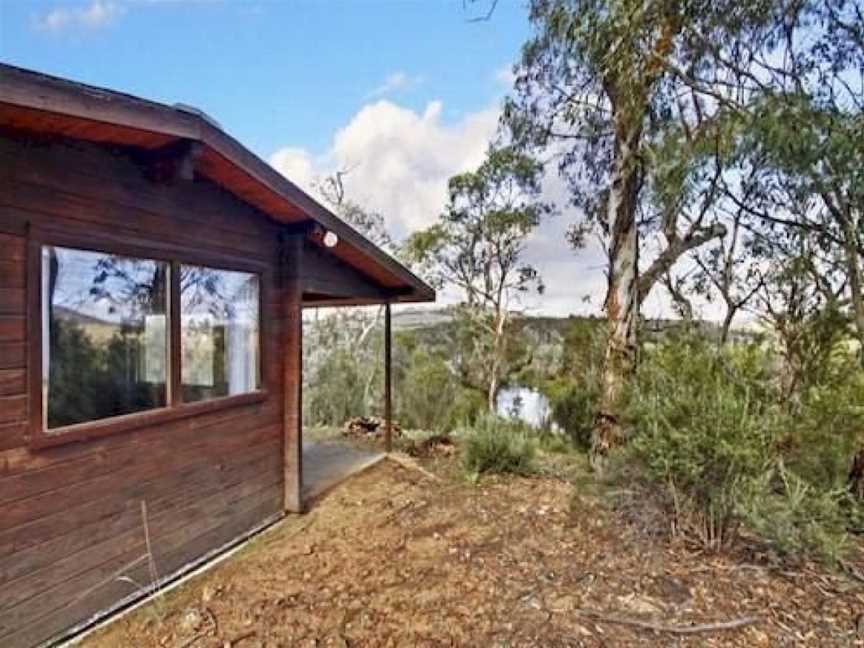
(394, 557)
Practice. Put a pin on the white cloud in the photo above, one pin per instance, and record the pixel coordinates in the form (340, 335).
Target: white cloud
(96, 14)
(395, 82)
(398, 162)
(297, 165)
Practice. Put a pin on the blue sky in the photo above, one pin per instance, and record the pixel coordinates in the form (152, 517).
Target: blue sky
(272, 73)
(402, 94)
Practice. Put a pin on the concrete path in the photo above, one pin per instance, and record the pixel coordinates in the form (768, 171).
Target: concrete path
(327, 464)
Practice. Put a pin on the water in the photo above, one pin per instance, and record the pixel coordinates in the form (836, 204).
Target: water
(526, 404)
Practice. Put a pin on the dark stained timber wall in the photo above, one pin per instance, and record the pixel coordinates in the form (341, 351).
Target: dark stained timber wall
(71, 515)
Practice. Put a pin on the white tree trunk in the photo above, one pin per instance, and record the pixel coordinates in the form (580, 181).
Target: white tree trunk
(498, 350)
(622, 296)
(853, 268)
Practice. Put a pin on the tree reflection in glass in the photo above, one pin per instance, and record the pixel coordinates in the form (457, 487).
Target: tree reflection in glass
(219, 332)
(105, 335)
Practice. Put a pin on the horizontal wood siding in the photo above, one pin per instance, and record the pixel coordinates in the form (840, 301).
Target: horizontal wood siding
(72, 534)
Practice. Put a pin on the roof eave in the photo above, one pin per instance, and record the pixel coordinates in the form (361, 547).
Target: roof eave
(33, 90)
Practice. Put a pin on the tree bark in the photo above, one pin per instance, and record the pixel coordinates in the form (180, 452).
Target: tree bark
(622, 295)
(497, 360)
(727, 323)
(851, 247)
(854, 269)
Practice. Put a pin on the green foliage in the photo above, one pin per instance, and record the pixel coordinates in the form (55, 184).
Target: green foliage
(574, 391)
(78, 379)
(478, 241)
(827, 428)
(704, 423)
(796, 516)
(573, 405)
(337, 391)
(477, 247)
(724, 445)
(430, 396)
(343, 375)
(495, 445)
(92, 380)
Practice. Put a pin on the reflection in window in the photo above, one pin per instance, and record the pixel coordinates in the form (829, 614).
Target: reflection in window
(105, 335)
(219, 332)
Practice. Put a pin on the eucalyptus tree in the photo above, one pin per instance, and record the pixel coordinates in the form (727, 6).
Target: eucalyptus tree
(601, 87)
(478, 245)
(818, 184)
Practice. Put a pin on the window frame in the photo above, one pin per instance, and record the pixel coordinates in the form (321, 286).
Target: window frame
(175, 255)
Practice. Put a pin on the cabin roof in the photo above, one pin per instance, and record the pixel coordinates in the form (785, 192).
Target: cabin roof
(45, 105)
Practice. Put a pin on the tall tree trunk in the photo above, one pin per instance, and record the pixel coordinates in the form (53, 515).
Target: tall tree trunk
(846, 218)
(851, 247)
(492, 395)
(727, 324)
(622, 295)
(497, 361)
(853, 266)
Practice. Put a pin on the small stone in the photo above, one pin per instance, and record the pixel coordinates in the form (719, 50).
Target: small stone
(191, 620)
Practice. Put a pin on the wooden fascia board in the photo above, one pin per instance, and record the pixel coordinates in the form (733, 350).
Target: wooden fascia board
(33, 90)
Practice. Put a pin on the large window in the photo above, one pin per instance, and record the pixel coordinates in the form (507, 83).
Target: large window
(105, 335)
(107, 343)
(219, 332)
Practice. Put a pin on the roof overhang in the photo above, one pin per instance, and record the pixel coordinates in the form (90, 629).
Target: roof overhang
(45, 105)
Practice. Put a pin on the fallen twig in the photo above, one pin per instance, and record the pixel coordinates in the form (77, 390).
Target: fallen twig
(194, 639)
(213, 621)
(214, 628)
(660, 627)
(851, 571)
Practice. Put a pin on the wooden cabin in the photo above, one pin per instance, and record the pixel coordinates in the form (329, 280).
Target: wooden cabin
(153, 273)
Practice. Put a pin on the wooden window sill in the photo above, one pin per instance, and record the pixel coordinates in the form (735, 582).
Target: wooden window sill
(149, 418)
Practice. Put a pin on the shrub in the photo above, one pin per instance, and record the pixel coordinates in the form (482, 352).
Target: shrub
(798, 518)
(703, 425)
(573, 406)
(495, 445)
(722, 446)
(826, 430)
(468, 406)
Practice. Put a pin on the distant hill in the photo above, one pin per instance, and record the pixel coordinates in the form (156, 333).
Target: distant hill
(415, 319)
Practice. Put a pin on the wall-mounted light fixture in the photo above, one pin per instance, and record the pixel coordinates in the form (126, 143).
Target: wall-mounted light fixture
(331, 239)
(322, 236)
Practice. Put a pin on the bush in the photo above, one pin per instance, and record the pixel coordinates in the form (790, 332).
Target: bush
(722, 446)
(574, 392)
(704, 424)
(335, 391)
(495, 445)
(573, 406)
(826, 430)
(798, 518)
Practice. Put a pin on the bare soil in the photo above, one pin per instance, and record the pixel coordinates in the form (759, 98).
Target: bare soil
(395, 557)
